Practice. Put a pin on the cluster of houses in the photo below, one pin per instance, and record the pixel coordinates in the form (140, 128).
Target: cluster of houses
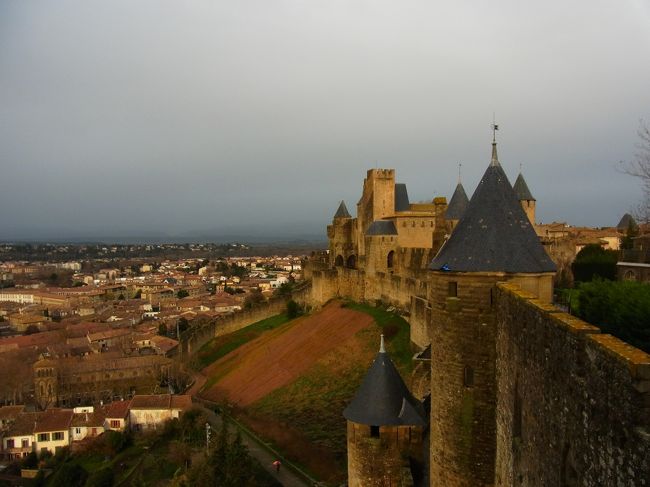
(24, 432)
(125, 311)
(129, 295)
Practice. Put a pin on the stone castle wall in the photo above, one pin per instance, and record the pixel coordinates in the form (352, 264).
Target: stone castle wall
(382, 460)
(572, 407)
(573, 404)
(198, 336)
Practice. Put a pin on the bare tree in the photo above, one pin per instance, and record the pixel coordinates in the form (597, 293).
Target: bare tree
(639, 167)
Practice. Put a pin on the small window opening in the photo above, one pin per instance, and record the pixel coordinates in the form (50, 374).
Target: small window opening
(374, 431)
(452, 289)
(468, 376)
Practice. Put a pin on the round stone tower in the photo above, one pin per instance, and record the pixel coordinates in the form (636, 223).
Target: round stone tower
(385, 428)
(494, 241)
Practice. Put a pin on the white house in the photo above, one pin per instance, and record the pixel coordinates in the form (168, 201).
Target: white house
(151, 411)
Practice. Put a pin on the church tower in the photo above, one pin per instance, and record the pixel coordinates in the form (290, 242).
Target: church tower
(385, 428)
(494, 241)
(46, 383)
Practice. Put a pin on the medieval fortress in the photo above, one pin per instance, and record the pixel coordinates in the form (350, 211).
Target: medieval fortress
(520, 393)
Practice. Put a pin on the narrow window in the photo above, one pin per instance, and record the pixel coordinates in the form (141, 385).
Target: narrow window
(468, 376)
(516, 416)
(452, 289)
(374, 431)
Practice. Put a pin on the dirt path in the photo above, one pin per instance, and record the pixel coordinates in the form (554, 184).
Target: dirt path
(278, 357)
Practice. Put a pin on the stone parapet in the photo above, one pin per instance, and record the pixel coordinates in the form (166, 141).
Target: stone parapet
(573, 404)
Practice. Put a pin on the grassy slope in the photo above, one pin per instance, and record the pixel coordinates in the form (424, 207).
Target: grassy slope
(309, 410)
(314, 403)
(223, 345)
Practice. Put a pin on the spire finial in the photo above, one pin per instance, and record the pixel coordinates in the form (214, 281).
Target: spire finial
(460, 164)
(520, 167)
(382, 348)
(495, 158)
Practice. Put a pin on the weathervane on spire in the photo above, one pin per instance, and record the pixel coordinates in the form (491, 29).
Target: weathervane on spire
(495, 127)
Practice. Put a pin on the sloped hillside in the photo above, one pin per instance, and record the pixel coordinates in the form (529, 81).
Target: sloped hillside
(291, 383)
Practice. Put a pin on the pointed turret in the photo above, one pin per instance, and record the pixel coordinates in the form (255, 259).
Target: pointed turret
(495, 233)
(383, 399)
(521, 189)
(457, 204)
(385, 428)
(525, 197)
(625, 222)
(342, 211)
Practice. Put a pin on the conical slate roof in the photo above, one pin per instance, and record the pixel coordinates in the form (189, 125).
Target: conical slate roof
(342, 212)
(382, 227)
(521, 189)
(401, 198)
(495, 234)
(457, 204)
(383, 399)
(624, 224)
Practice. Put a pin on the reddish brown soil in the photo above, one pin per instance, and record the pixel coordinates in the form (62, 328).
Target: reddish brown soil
(278, 357)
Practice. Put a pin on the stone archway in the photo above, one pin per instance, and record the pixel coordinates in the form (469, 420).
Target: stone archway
(351, 262)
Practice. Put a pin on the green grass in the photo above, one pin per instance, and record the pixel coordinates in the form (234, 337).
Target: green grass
(397, 333)
(221, 346)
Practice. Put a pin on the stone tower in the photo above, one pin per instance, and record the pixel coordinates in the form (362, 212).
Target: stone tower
(494, 241)
(377, 200)
(525, 197)
(45, 382)
(381, 244)
(385, 428)
(341, 238)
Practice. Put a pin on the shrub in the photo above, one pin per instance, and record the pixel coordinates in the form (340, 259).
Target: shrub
(69, 475)
(594, 261)
(293, 309)
(101, 478)
(619, 308)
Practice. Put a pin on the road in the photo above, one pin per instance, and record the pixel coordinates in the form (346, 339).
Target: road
(286, 476)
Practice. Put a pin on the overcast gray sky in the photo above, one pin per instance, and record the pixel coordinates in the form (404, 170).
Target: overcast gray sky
(180, 117)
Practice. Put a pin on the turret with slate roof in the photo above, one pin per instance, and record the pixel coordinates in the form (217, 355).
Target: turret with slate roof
(494, 234)
(525, 197)
(494, 241)
(342, 211)
(625, 222)
(457, 205)
(339, 234)
(385, 426)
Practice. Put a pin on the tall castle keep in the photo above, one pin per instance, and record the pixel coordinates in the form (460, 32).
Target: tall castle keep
(520, 392)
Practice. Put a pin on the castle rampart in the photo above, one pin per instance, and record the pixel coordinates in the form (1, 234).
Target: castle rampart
(520, 393)
(573, 404)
